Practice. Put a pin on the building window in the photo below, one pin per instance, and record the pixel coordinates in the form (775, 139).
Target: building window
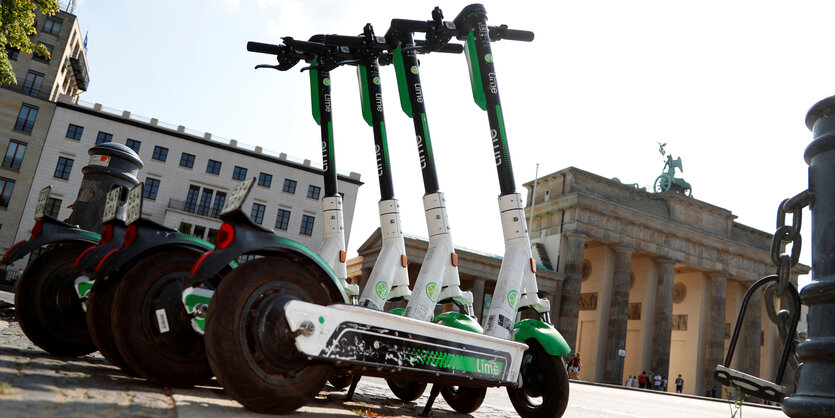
(213, 167)
(103, 137)
(212, 236)
(62, 170)
(239, 173)
(151, 188)
(205, 202)
(199, 231)
(52, 26)
(160, 153)
(13, 53)
(133, 144)
(32, 84)
(191, 200)
(184, 228)
(220, 200)
(265, 179)
(257, 214)
(74, 132)
(313, 192)
(6, 187)
(282, 220)
(14, 155)
(187, 160)
(307, 225)
(37, 57)
(289, 186)
(52, 208)
(26, 118)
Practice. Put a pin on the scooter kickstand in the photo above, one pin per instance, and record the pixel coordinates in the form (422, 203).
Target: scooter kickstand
(427, 410)
(353, 387)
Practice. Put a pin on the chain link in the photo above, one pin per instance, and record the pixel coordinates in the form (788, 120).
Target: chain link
(788, 234)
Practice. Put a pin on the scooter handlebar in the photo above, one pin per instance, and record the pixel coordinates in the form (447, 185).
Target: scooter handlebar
(502, 32)
(263, 48)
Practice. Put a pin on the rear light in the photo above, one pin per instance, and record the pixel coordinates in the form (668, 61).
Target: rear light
(37, 229)
(106, 234)
(225, 236)
(197, 264)
(130, 234)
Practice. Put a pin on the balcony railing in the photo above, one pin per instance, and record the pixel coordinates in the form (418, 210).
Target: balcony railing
(193, 208)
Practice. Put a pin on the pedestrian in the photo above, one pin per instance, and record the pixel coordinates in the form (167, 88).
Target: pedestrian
(575, 367)
(642, 380)
(664, 383)
(679, 384)
(629, 381)
(656, 382)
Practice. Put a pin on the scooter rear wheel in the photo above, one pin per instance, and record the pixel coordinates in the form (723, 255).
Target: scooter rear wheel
(99, 304)
(47, 306)
(341, 381)
(249, 346)
(406, 390)
(544, 391)
(464, 399)
(151, 327)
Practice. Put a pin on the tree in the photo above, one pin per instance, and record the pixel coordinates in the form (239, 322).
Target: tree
(17, 25)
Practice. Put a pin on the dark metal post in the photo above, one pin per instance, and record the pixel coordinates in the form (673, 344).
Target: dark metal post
(815, 395)
(110, 165)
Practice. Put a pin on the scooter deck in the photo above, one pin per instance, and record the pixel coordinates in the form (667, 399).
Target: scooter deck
(389, 345)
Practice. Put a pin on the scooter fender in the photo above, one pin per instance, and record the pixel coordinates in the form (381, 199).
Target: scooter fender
(88, 259)
(52, 231)
(545, 334)
(150, 237)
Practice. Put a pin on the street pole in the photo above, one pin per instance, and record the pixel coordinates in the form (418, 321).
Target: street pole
(815, 394)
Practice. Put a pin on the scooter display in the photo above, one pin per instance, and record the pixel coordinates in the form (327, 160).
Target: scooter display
(282, 334)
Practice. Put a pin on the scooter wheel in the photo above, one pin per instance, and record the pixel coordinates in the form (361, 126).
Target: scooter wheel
(341, 381)
(249, 346)
(464, 399)
(99, 304)
(47, 306)
(544, 391)
(151, 327)
(406, 390)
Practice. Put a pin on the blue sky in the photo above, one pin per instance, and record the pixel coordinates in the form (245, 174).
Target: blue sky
(725, 84)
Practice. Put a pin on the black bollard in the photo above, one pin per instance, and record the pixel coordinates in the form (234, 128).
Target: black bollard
(815, 394)
(110, 165)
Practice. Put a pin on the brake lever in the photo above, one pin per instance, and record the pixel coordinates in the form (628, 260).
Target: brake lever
(274, 67)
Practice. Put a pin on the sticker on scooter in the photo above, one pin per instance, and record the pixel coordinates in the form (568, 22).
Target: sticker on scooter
(134, 204)
(382, 289)
(433, 291)
(162, 321)
(237, 196)
(43, 196)
(513, 299)
(111, 204)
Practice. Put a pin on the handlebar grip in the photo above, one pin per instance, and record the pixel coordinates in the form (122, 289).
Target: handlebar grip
(406, 25)
(341, 40)
(263, 48)
(451, 48)
(502, 32)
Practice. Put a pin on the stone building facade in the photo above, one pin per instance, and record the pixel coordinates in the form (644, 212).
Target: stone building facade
(652, 282)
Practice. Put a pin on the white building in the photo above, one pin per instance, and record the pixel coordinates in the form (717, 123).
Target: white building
(187, 175)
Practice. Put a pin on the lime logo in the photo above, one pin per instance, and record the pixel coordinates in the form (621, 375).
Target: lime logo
(414, 69)
(382, 289)
(376, 81)
(326, 82)
(488, 58)
(513, 298)
(433, 291)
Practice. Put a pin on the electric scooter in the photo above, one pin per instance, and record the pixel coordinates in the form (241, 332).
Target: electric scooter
(280, 367)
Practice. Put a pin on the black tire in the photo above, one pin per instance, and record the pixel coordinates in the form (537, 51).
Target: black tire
(99, 304)
(544, 391)
(406, 390)
(249, 346)
(47, 306)
(341, 381)
(171, 354)
(464, 399)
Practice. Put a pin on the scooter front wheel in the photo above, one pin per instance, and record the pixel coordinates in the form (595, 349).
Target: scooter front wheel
(47, 306)
(249, 345)
(151, 327)
(544, 391)
(464, 399)
(99, 306)
(406, 390)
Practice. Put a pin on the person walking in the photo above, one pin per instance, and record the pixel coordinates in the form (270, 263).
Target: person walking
(575, 367)
(679, 384)
(642, 380)
(656, 382)
(629, 381)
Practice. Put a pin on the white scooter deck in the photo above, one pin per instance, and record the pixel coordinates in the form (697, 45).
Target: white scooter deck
(388, 343)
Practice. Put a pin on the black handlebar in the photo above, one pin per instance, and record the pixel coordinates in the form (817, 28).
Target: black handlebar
(264, 48)
(498, 33)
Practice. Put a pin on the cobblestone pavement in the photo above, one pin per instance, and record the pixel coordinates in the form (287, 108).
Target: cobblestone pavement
(35, 383)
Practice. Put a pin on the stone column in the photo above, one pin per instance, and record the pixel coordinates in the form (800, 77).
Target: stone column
(715, 353)
(751, 334)
(663, 327)
(478, 297)
(618, 316)
(570, 296)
